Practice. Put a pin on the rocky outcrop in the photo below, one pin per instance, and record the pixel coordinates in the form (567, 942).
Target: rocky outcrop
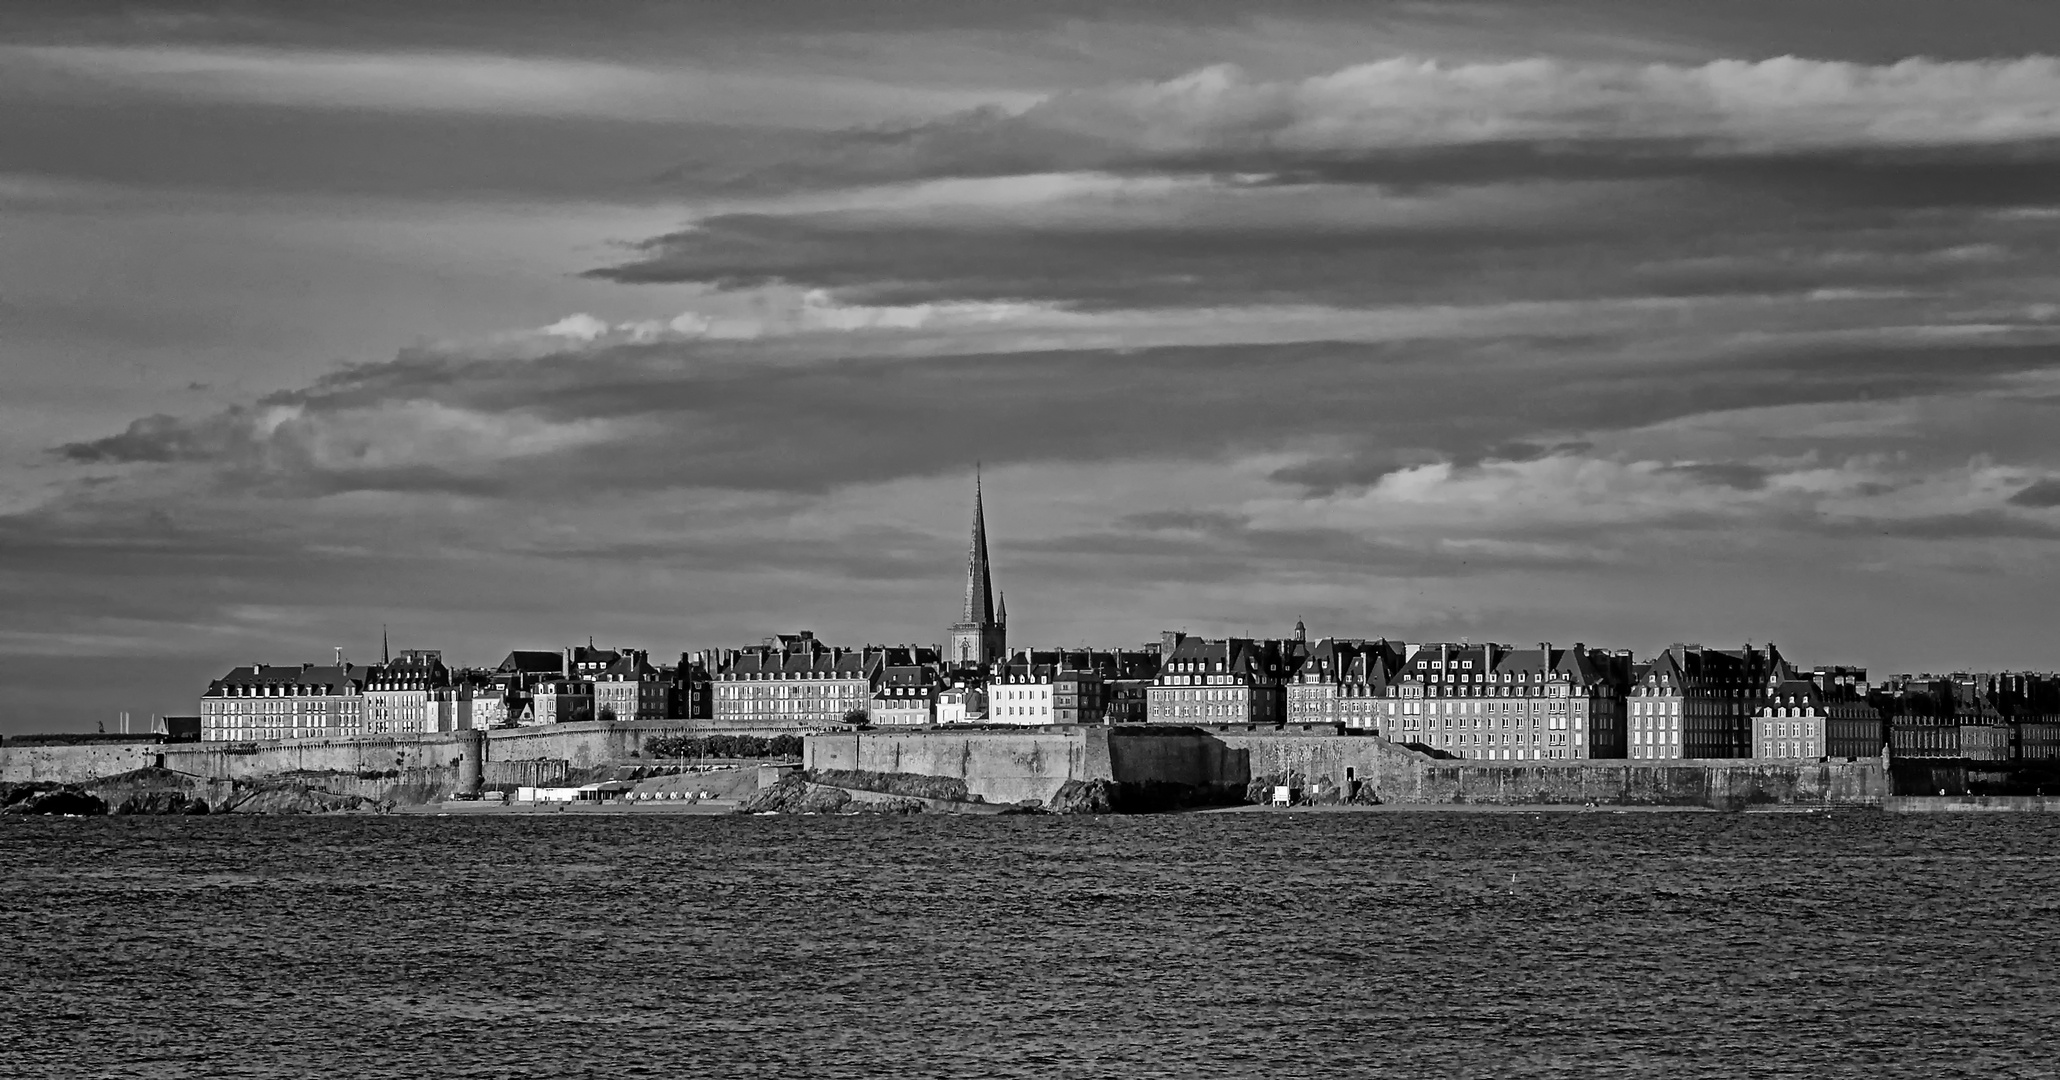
(11, 794)
(160, 803)
(1153, 797)
(64, 800)
(911, 785)
(1318, 790)
(299, 799)
(154, 791)
(796, 795)
(1084, 797)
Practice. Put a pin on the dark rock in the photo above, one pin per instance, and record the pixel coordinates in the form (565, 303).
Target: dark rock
(796, 795)
(11, 794)
(153, 802)
(1085, 797)
(58, 801)
(195, 808)
(292, 798)
(911, 785)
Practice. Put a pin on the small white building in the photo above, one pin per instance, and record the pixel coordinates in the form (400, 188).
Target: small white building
(1020, 697)
(962, 705)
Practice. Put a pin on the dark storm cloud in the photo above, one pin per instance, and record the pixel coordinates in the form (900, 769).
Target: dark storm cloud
(1408, 121)
(696, 416)
(2042, 495)
(155, 438)
(1695, 240)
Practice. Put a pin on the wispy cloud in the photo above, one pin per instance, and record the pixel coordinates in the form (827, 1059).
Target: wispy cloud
(460, 82)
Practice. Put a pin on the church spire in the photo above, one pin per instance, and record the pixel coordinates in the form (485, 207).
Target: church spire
(979, 607)
(978, 636)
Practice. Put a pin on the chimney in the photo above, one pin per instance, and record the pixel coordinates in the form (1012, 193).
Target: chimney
(1170, 640)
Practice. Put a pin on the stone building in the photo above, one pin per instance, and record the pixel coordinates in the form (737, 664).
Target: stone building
(1800, 719)
(1693, 702)
(693, 694)
(1062, 686)
(1346, 681)
(1221, 681)
(793, 683)
(1947, 717)
(1495, 703)
(962, 703)
(631, 689)
(906, 696)
(559, 701)
(263, 701)
(413, 695)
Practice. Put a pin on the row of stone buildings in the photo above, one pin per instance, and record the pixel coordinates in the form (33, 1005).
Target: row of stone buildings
(416, 692)
(1479, 701)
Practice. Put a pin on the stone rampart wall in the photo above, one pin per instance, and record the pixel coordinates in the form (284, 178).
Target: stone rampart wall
(1012, 765)
(999, 766)
(1007, 766)
(1933, 804)
(1201, 761)
(585, 745)
(356, 754)
(530, 772)
(74, 764)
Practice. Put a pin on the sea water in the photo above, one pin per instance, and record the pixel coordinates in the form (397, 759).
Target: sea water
(1247, 945)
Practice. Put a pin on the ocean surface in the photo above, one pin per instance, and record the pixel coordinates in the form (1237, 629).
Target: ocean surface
(1246, 945)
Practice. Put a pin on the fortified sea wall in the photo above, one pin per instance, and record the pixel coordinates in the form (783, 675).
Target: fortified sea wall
(74, 764)
(515, 757)
(1002, 765)
(1013, 765)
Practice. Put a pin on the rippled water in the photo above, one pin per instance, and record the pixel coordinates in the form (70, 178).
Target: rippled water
(1447, 944)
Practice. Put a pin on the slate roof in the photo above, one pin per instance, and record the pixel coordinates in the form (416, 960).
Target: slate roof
(329, 675)
(533, 662)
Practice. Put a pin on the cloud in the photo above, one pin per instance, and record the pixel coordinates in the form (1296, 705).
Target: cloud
(1838, 236)
(1220, 119)
(451, 81)
(329, 446)
(2042, 495)
(1732, 474)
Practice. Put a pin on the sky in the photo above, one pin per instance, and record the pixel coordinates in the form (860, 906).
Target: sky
(506, 325)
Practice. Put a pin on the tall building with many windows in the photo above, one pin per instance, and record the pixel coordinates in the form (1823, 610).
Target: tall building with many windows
(412, 695)
(794, 682)
(1693, 702)
(631, 689)
(1222, 681)
(263, 701)
(1801, 719)
(1495, 703)
(1349, 682)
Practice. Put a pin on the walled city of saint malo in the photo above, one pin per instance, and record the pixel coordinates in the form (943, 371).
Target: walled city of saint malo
(979, 725)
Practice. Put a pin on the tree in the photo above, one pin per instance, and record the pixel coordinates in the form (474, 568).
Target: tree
(858, 718)
(607, 714)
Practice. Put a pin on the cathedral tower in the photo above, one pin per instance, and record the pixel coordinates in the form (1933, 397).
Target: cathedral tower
(981, 633)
